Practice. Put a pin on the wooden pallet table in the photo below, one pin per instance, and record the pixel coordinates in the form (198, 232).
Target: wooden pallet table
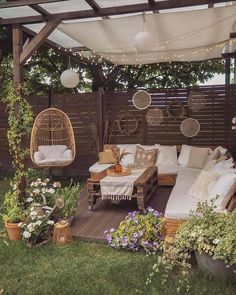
(144, 187)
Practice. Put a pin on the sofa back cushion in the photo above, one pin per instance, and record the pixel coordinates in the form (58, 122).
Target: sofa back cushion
(52, 151)
(224, 189)
(184, 155)
(167, 155)
(129, 148)
(198, 157)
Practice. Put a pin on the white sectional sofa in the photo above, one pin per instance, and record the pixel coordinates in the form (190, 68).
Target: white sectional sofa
(174, 168)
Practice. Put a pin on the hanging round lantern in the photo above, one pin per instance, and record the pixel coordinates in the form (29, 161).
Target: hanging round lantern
(69, 78)
(144, 41)
(196, 100)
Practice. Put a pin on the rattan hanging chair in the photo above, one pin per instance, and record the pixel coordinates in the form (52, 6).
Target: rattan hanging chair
(52, 139)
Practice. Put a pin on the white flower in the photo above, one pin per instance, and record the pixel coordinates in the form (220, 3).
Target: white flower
(29, 200)
(51, 191)
(47, 180)
(44, 184)
(26, 234)
(31, 227)
(20, 224)
(36, 191)
(32, 183)
(33, 214)
(39, 222)
(216, 241)
(39, 180)
(43, 190)
(50, 222)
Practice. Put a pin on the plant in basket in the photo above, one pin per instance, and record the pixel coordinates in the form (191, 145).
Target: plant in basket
(138, 231)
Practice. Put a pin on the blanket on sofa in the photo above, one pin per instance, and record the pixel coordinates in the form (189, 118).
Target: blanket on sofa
(119, 188)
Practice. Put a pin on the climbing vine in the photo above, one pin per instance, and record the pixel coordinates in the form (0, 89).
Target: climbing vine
(20, 117)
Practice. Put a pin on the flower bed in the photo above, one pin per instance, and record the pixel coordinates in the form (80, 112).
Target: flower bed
(138, 231)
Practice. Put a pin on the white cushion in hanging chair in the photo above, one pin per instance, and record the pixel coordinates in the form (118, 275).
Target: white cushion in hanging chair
(53, 154)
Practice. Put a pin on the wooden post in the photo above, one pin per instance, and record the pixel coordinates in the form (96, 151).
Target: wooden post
(17, 48)
(100, 117)
(227, 71)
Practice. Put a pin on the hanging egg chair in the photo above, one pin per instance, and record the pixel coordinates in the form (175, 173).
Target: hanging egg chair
(52, 139)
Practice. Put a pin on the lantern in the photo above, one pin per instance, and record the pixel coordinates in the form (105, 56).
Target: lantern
(69, 78)
(144, 41)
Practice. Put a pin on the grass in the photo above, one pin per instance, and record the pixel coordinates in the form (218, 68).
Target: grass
(84, 268)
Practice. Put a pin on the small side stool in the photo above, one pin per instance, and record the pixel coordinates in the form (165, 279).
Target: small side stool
(62, 233)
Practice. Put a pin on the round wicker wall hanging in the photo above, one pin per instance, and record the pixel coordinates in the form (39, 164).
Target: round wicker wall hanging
(175, 109)
(141, 100)
(127, 124)
(196, 100)
(154, 117)
(190, 127)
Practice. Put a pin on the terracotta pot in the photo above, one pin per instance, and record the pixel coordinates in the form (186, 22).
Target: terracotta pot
(117, 168)
(14, 231)
(217, 268)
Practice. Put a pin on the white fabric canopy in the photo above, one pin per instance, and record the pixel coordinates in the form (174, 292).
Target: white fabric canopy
(181, 36)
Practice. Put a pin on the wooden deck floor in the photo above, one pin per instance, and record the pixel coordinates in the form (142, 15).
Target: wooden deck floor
(90, 225)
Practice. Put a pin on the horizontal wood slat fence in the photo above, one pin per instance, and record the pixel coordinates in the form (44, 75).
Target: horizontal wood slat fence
(100, 107)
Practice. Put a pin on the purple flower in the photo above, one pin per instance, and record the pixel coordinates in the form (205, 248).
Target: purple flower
(109, 239)
(156, 213)
(149, 209)
(136, 235)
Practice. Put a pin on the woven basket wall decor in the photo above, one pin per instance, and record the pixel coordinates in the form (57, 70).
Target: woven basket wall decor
(127, 124)
(175, 109)
(196, 100)
(190, 127)
(154, 117)
(141, 100)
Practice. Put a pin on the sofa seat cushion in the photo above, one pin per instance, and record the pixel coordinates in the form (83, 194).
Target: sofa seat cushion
(52, 151)
(169, 169)
(53, 161)
(180, 203)
(97, 167)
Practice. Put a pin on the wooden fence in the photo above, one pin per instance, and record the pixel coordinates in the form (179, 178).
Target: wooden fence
(98, 108)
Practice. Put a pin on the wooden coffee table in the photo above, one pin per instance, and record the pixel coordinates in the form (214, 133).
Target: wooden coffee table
(144, 187)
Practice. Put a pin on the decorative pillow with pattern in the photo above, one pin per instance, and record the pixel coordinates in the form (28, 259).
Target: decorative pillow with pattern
(145, 158)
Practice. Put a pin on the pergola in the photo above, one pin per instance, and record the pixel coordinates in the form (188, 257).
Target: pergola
(40, 20)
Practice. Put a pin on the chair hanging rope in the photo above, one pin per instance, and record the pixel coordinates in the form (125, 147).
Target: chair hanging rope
(52, 139)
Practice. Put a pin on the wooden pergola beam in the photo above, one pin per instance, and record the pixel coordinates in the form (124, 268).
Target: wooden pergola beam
(38, 40)
(39, 9)
(95, 6)
(103, 12)
(17, 39)
(50, 44)
(26, 2)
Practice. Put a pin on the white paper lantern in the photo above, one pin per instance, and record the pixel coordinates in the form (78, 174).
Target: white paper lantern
(69, 78)
(144, 41)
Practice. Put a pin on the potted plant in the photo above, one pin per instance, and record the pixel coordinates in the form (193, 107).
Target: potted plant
(211, 236)
(70, 195)
(13, 215)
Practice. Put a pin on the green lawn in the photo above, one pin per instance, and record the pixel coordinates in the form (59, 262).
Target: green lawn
(85, 268)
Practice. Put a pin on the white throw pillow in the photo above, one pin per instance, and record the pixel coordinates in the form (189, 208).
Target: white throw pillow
(184, 155)
(52, 151)
(202, 185)
(214, 155)
(224, 188)
(224, 167)
(167, 155)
